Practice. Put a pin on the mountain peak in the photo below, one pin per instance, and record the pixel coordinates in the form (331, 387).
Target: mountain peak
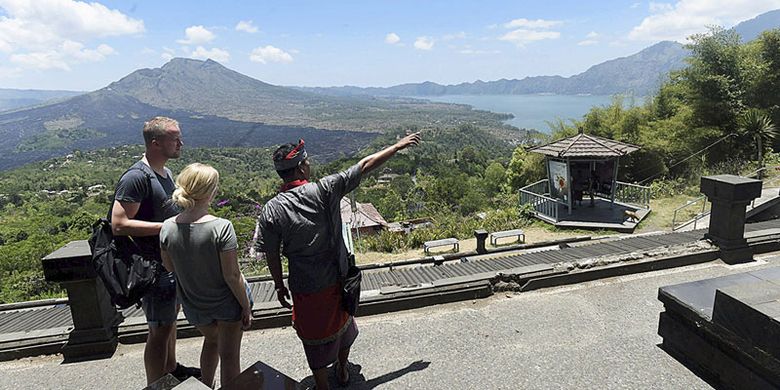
(189, 63)
(751, 29)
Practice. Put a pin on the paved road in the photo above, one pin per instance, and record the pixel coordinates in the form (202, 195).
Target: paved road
(596, 335)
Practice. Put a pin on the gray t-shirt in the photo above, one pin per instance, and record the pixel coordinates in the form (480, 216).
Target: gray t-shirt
(297, 221)
(156, 204)
(194, 249)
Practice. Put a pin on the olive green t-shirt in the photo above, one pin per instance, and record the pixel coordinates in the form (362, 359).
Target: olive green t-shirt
(194, 249)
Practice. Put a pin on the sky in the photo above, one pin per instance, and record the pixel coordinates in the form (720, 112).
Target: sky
(75, 45)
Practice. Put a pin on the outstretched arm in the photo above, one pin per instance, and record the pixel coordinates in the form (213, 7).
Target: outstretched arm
(369, 163)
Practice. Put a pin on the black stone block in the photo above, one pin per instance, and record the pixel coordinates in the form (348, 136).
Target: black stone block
(693, 347)
(748, 310)
(699, 296)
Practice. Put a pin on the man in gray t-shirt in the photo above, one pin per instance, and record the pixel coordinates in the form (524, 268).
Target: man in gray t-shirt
(141, 203)
(304, 222)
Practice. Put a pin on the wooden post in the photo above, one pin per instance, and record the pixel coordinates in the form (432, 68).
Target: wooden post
(614, 178)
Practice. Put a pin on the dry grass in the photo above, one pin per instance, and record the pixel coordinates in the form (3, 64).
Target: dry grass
(532, 234)
(662, 213)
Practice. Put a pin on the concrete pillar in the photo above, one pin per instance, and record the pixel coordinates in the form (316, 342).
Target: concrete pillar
(730, 196)
(481, 236)
(95, 319)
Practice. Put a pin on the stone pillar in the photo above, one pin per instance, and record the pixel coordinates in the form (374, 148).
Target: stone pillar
(730, 196)
(95, 319)
(481, 236)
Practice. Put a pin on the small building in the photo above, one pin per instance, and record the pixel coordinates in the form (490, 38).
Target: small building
(365, 220)
(586, 166)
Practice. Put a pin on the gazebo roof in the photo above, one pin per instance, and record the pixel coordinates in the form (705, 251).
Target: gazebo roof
(584, 145)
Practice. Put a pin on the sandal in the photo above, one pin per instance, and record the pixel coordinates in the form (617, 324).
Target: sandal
(339, 370)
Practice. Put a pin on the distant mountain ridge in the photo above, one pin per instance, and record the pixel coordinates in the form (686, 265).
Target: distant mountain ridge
(638, 74)
(15, 98)
(750, 29)
(217, 106)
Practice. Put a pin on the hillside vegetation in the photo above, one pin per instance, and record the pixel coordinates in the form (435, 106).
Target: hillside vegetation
(713, 116)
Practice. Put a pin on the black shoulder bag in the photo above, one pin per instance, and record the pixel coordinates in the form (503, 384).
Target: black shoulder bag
(350, 284)
(120, 263)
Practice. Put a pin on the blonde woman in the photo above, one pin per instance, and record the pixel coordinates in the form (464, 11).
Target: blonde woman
(200, 249)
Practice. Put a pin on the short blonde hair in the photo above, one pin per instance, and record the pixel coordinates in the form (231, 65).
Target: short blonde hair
(195, 182)
(156, 127)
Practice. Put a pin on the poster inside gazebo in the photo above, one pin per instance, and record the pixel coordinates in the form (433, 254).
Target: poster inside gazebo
(559, 179)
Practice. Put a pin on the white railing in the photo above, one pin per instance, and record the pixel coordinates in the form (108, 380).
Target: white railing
(536, 195)
(632, 194)
(702, 200)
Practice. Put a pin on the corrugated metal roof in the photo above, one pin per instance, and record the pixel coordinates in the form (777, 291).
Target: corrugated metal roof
(48, 317)
(584, 145)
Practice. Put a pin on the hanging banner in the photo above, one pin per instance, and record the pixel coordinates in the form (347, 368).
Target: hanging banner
(559, 177)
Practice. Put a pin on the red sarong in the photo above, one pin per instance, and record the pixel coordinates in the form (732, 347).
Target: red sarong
(318, 317)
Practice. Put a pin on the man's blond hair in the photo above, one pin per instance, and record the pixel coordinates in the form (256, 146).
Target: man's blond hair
(157, 127)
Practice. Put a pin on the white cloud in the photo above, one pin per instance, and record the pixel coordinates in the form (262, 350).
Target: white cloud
(685, 17)
(424, 43)
(50, 34)
(469, 51)
(197, 35)
(392, 38)
(40, 60)
(246, 26)
(61, 58)
(590, 39)
(527, 31)
(215, 54)
(10, 73)
(521, 37)
(451, 37)
(168, 53)
(268, 54)
(660, 7)
(532, 24)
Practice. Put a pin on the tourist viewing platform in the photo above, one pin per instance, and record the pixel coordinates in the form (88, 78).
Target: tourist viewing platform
(468, 296)
(389, 195)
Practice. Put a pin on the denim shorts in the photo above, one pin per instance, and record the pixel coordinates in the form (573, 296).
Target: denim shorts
(230, 312)
(159, 303)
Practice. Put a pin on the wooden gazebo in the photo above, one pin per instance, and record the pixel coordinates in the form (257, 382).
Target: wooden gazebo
(579, 165)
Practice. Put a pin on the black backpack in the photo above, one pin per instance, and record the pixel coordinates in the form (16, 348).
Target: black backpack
(120, 263)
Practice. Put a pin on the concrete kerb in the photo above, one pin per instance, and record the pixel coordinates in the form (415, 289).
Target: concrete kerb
(621, 269)
(760, 242)
(270, 315)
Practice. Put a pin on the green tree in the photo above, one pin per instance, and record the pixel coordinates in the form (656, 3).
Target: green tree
(494, 178)
(524, 168)
(759, 127)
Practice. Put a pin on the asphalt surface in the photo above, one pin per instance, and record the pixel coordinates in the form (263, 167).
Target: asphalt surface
(595, 335)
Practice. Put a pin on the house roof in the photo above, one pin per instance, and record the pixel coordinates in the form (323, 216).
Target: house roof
(365, 216)
(585, 145)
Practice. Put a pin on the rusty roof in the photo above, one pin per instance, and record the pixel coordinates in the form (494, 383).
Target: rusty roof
(366, 215)
(584, 145)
